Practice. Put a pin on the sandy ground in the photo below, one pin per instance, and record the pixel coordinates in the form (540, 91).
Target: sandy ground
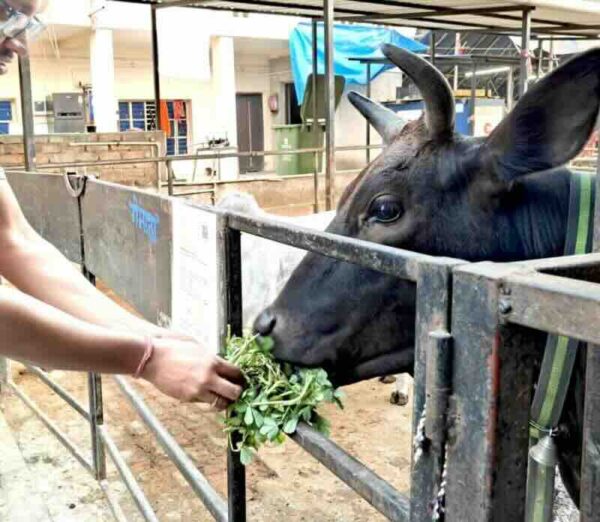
(284, 483)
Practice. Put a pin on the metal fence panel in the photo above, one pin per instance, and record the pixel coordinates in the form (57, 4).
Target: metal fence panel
(49, 209)
(128, 238)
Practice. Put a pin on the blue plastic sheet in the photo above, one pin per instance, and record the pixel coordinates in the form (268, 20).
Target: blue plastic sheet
(349, 41)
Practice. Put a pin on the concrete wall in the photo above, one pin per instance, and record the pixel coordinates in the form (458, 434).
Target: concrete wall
(68, 148)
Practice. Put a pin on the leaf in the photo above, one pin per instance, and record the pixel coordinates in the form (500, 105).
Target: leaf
(258, 418)
(291, 425)
(248, 417)
(246, 456)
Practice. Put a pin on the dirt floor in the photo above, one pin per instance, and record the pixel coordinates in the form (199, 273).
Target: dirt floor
(284, 483)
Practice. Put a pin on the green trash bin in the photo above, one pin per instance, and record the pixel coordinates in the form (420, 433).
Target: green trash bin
(294, 137)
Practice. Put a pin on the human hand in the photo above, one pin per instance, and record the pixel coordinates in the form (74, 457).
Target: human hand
(181, 369)
(15, 46)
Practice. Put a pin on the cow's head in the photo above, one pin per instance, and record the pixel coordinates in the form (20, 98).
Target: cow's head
(432, 191)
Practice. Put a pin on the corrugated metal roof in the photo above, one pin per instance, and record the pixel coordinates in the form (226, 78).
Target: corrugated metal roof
(549, 17)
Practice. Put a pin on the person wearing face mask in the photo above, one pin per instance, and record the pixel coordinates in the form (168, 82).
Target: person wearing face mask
(53, 317)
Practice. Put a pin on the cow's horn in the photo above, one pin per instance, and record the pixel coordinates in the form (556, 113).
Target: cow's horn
(386, 122)
(437, 95)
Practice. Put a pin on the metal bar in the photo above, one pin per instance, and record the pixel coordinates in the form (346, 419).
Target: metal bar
(540, 57)
(156, 68)
(236, 472)
(96, 422)
(201, 487)
(510, 89)
(492, 383)
(131, 483)
(525, 41)
(539, 301)
(315, 71)
(4, 373)
(368, 150)
(589, 501)
(60, 391)
(328, 16)
(473, 98)
(53, 428)
(27, 112)
(432, 47)
(376, 491)
(113, 503)
(388, 260)
(433, 314)
(194, 193)
(170, 177)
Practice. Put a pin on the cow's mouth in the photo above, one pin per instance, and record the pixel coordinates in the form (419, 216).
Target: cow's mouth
(383, 364)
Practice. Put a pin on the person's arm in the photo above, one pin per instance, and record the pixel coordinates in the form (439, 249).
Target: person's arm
(35, 332)
(37, 268)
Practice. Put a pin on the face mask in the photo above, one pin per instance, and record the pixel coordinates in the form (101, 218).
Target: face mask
(17, 24)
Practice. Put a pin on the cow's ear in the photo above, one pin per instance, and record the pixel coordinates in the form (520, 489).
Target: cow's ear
(552, 121)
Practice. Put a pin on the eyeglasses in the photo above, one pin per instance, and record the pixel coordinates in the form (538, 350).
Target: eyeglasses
(17, 24)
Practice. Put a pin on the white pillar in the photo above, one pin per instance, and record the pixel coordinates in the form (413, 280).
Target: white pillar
(102, 67)
(224, 108)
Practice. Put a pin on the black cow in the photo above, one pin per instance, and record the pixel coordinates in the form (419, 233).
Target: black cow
(500, 198)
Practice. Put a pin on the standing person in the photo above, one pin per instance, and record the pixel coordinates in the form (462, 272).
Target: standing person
(57, 319)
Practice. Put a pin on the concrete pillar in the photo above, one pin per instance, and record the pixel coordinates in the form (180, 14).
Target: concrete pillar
(224, 98)
(102, 67)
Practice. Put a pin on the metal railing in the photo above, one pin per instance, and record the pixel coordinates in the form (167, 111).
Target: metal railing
(472, 354)
(431, 275)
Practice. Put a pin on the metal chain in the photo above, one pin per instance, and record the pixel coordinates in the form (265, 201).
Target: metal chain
(420, 437)
(439, 505)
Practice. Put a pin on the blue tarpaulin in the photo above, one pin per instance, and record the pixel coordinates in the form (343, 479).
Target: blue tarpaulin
(349, 41)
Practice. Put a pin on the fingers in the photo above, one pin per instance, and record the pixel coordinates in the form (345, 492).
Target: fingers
(226, 389)
(14, 46)
(229, 371)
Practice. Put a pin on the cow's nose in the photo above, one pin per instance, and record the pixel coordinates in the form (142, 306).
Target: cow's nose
(265, 322)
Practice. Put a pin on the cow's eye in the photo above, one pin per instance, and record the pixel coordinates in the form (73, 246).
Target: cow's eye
(385, 209)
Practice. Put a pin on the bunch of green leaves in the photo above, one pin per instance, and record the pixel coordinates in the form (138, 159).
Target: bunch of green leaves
(276, 397)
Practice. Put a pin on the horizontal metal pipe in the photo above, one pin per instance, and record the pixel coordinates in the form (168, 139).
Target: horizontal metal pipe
(193, 193)
(376, 491)
(554, 304)
(125, 472)
(393, 261)
(56, 431)
(201, 487)
(192, 157)
(60, 391)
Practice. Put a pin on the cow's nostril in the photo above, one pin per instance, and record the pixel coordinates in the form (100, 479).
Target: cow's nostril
(265, 323)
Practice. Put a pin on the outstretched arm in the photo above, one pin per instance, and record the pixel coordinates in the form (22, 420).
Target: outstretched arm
(38, 269)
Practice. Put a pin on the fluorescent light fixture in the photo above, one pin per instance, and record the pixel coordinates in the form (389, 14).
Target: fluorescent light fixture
(486, 72)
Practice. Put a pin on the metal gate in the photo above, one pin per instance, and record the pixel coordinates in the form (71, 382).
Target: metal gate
(473, 333)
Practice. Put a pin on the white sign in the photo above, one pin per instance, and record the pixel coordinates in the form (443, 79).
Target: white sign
(195, 285)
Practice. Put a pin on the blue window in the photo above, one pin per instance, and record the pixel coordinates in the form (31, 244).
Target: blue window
(141, 115)
(5, 116)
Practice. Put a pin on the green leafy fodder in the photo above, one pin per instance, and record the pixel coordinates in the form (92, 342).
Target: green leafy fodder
(276, 397)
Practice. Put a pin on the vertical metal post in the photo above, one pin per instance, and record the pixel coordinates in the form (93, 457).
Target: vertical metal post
(96, 408)
(170, 177)
(315, 127)
(492, 384)
(456, 51)
(539, 70)
(525, 58)
(551, 55)
(27, 112)
(328, 7)
(589, 500)
(432, 47)
(510, 89)
(156, 67)
(368, 124)
(473, 97)
(433, 314)
(236, 472)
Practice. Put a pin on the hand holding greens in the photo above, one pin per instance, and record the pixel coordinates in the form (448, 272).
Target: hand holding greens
(276, 398)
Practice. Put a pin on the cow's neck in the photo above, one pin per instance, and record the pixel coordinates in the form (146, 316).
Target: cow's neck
(540, 221)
